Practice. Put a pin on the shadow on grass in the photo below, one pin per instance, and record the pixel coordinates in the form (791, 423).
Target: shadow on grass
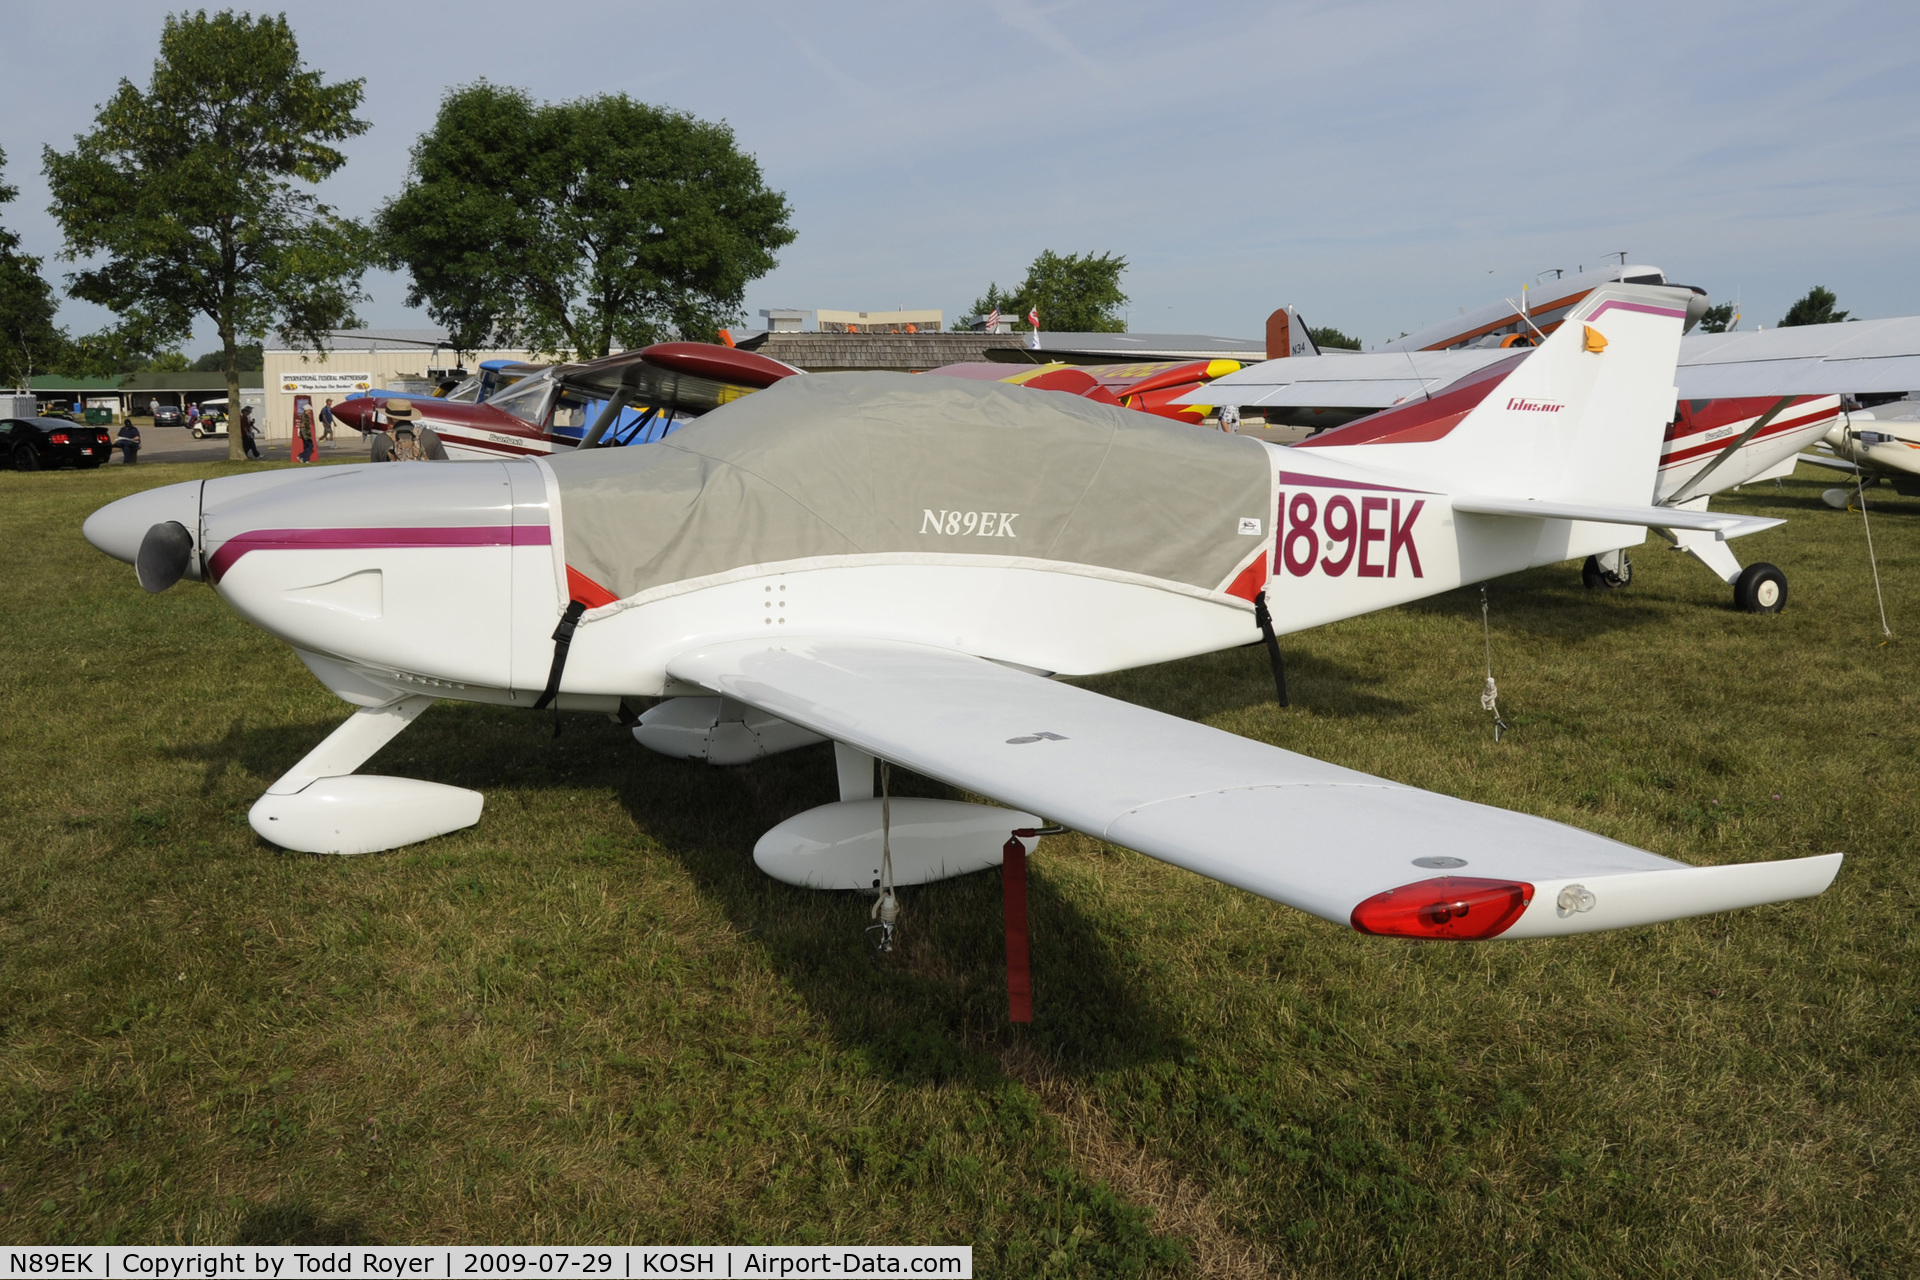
(915, 1014)
(296, 1222)
(1553, 605)
(911, 1013)
(1233, 680)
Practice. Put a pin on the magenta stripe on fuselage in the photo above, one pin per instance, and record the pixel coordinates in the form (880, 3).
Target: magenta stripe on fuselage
(493, 535)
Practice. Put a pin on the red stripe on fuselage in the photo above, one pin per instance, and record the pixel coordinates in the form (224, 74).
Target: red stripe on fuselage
(1683, 444)
(373, 539)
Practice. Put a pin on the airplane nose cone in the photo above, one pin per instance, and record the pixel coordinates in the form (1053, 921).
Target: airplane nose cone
(119, 528)
(357, 413)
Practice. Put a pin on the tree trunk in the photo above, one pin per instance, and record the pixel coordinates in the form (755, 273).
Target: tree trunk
(230, 362)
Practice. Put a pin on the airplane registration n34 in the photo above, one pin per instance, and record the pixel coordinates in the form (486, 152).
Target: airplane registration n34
(898, 564)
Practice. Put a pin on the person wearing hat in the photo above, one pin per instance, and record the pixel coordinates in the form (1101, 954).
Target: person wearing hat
(406, 446)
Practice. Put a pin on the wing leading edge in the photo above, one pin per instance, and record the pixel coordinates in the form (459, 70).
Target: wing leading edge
(1313, 835)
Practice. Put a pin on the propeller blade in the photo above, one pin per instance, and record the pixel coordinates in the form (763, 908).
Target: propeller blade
(165, 553)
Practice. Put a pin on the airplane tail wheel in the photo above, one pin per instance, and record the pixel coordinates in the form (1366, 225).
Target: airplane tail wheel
(1595, 578)
(1761, 588)
(431, 446)
(1837, 498)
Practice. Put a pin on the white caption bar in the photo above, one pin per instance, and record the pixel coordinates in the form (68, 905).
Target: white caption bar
(492, 1262)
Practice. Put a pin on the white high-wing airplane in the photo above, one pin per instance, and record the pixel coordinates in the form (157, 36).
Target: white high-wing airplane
(898, 564)
(1748, 403)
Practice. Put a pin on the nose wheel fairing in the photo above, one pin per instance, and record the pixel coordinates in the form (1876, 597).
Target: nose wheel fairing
(321, 806)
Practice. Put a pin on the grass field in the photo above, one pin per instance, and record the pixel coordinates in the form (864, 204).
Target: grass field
(590, 1018)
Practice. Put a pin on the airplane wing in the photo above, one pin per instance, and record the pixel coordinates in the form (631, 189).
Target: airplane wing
(1822, 460)
(1345, 846)
(678, 377)
(1870, 356)
(1373, 380)
(1864, 356)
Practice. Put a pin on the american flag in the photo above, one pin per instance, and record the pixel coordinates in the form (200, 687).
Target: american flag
(993, 320)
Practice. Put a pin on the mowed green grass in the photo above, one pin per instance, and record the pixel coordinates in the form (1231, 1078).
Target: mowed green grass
(591, 1019)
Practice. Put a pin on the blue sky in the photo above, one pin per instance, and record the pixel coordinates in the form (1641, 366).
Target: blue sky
(1377, 165)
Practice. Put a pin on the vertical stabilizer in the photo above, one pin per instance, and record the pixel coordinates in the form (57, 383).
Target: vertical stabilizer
(1580, 419)
(1288, 335)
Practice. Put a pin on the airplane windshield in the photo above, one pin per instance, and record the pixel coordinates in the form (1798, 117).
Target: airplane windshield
(525, 400)
(467, 392)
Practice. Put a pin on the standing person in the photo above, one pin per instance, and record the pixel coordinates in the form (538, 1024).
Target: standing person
(326, 420)
(405, 447)
(304, 448)
(129, 442)
(153, 409)
(246, 433)
(193, 415)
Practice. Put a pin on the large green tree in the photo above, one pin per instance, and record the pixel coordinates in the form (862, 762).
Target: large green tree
(1073, 293)
(1817, 307)
(575, 226)
(30, 341)
(188, 199)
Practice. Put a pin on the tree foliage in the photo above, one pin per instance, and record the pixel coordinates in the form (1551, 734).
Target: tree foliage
(1327, 336)
(1817, 307)
(571, 227)
(1718, 318)
(30, 341)
(185, 197)
(1073, 293)
(252, 360)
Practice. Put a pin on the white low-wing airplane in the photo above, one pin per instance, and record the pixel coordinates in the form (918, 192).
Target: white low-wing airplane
(1748, 403)
(1881, 443)
(898, 564)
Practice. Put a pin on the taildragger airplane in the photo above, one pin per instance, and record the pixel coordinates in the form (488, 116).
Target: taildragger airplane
(898, 564)
(632, 397)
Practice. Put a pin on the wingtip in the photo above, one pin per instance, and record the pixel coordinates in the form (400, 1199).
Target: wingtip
(1595, 903)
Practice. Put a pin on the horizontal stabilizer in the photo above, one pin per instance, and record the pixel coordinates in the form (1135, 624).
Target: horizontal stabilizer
(1718, 523)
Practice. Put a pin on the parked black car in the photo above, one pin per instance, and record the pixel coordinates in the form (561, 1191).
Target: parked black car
(33, 443)
(167, 416)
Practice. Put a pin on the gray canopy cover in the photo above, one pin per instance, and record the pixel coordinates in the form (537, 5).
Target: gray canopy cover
(914, 467)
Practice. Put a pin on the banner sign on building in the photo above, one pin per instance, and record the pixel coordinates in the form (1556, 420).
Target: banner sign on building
(327, 384)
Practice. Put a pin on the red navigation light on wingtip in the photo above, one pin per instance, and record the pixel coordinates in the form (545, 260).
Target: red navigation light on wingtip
(1459, 908)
